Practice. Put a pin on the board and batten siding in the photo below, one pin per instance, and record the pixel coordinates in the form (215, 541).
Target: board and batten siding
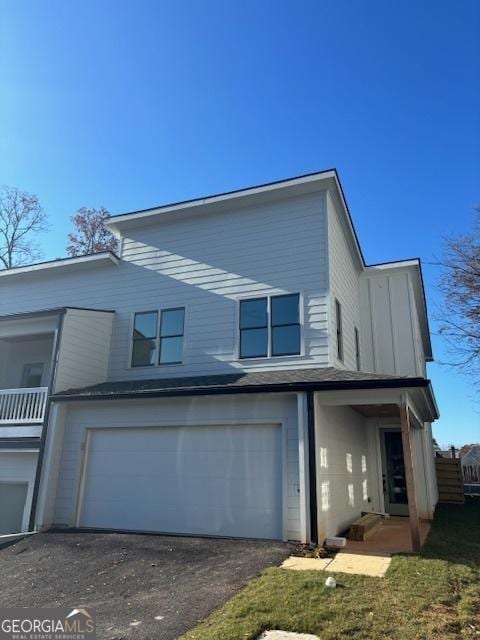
(251, 409)
(391, 331)
(343, 468)
(205, 263)
(344, 275)
(84, 352)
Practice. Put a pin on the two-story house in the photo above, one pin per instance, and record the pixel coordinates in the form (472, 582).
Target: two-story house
(237, 370)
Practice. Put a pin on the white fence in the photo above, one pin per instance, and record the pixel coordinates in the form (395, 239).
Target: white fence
(23, 406)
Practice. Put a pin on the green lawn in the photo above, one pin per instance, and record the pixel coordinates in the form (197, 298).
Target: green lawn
(434, 595)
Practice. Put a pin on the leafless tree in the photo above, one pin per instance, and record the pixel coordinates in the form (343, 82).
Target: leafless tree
(459, 319)
(21, 218)
(90, 235)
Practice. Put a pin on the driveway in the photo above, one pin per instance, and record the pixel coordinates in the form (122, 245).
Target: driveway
(140, 586)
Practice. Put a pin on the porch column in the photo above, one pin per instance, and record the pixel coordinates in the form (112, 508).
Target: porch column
(409, 478)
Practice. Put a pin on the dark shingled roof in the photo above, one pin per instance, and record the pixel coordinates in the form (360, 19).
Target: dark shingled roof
(242, 382)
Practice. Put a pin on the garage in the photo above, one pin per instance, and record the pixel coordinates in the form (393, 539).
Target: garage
(223, 480)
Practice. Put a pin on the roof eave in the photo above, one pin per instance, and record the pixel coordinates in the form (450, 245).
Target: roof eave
(400, 383)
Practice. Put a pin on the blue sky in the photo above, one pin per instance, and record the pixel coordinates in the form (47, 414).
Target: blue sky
(132, 104)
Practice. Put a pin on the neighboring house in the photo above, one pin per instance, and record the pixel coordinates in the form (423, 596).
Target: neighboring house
(470, 460)
(238, 370)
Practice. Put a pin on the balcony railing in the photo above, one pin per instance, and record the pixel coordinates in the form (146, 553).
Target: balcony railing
(23, 406)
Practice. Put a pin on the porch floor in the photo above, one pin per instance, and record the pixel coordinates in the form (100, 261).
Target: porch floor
(392, 537)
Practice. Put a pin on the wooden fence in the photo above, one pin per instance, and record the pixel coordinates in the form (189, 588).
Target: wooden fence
(449, 480)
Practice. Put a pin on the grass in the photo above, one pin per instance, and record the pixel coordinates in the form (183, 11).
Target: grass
(434, 595)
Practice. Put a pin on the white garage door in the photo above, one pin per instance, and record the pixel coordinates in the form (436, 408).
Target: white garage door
(215, 480)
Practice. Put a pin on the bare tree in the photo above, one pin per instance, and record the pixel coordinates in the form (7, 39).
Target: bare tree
(460, 286)
(21, 217)
(90, 235)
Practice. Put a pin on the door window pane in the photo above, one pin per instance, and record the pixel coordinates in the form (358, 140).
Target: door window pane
(171, 350)
(172, 322)
(285, 310)
(143, 353)
(253, 343)
(145, 325)
(286, 340)
(253, 313)
(32, 375)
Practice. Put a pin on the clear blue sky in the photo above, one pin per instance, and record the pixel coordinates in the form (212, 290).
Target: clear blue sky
(133, 104)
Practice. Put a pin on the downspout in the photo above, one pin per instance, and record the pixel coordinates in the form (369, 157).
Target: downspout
(43, 439)
(312, 467)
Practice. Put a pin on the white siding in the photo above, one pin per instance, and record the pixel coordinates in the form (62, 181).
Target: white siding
(84, 349)
(391, 332)
(205, 263)
(268, 409)
(344, 273)
(343, 473)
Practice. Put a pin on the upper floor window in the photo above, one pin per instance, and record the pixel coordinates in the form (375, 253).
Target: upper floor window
(358, 360)
(270, 326)
(339, 329)
(158, 337)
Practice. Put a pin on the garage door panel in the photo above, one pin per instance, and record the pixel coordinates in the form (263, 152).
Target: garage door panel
(208, 480)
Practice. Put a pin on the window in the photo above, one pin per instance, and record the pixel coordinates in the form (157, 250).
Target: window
(357, 350)
(338, 320)
(285, 325)
(32, 375)
(144, 339)
(171, 336)
(270, 326)
(149, 339)
(254, 328)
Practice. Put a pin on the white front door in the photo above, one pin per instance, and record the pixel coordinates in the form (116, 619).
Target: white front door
(211, 480)
(13, 496)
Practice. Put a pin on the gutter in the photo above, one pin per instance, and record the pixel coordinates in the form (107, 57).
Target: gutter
(285, 387)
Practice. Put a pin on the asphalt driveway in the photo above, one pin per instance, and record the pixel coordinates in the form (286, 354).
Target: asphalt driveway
(140, 586)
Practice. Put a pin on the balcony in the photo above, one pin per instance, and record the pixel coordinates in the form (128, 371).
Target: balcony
(23, 406)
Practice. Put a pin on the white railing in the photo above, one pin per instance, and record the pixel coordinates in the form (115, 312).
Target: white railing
(23, 406)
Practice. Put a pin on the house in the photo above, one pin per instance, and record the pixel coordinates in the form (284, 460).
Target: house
(237, 370)
(469, 455)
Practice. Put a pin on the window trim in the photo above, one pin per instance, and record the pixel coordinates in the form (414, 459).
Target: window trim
(339, 330)
(358, 353)
(269, 355)
(156, 362)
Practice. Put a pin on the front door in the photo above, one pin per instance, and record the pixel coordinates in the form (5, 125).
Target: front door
(393, 473)
(12, 505)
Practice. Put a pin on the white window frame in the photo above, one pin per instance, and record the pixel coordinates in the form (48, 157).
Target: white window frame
(156, 364)
(269, 355)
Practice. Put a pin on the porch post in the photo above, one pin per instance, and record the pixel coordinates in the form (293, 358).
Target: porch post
(409, 478)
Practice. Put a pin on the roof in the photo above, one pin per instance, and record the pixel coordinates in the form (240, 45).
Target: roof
(327, 378)
(49, 312)
(306, 183)
(102, 256)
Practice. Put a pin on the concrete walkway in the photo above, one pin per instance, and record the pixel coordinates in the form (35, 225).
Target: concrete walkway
(374, 566)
